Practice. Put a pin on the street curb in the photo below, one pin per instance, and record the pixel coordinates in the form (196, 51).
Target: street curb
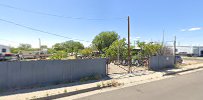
(68, 94)
(173, 73)
(97, 88)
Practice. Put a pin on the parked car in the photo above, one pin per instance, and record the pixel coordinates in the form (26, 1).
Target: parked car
(179, 59)
(9, 57)
(1, 57)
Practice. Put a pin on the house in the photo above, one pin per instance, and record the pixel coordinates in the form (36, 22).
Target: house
(4, 49)
(189, 50)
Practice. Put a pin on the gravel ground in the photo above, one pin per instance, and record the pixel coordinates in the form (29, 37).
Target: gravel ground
(191, 61)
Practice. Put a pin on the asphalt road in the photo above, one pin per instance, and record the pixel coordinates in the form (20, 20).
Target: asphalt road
(184, 87)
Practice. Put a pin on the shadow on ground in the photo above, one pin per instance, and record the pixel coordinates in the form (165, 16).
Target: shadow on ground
(48, 87)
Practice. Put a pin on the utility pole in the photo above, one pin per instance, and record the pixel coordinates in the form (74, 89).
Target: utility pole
(175, 50)
(129, 55)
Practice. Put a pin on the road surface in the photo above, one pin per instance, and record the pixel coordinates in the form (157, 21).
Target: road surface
(184, 87)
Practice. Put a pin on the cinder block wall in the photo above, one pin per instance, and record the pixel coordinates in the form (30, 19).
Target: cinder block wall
(28, 73)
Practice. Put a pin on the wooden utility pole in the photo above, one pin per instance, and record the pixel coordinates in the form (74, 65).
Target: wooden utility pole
(129, 54)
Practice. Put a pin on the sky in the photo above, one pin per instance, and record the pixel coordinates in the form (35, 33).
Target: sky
(84, 19)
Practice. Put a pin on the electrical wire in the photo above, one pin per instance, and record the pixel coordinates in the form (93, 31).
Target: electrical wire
(60, 16)
(42, 31)
(9, 41)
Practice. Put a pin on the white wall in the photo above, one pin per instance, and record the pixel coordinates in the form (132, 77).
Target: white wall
(187, 49)
(200, 49)
(4, 47)
(196, 50)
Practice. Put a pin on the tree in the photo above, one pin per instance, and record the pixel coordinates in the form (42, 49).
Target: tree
(59, 55)
(69, 47)
(118, 48)
(14, 50)
(73, 47)
(104, 40)
(149, 49)
(43, 47)
(166, 51)
(24, 46)
(87, 52)
(59, 47)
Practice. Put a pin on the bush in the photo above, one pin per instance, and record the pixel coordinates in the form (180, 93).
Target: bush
(92, 77)
(59, 55)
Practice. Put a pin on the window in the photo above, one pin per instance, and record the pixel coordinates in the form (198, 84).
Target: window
(3, 50)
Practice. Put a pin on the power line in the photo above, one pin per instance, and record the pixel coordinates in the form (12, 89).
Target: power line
(42, 31)
(59, 16)
(9, 41)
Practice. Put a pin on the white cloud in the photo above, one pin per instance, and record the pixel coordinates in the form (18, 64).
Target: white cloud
(183, 30)
(191, 29)
(195, 29)
(134, 38)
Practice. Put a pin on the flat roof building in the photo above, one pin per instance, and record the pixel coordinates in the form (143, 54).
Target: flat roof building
(189, 50)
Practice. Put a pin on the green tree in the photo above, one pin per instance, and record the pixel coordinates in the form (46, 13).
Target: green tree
(24, 46)
(14, 50)
(104, 40)
(149, 49)
(58, 55)
(87, 52)
(118, 47)
(43, 47)
(59, 47)
(69, 47)
(73, 47)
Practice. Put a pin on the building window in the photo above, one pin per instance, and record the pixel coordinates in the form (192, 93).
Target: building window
(3, 50)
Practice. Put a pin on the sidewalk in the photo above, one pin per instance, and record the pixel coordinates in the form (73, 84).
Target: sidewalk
(76, 88)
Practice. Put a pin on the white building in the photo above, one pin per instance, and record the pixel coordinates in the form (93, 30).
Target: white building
(4, 49)
(189, 50)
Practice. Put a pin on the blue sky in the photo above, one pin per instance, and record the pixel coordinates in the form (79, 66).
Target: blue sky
(149, 18)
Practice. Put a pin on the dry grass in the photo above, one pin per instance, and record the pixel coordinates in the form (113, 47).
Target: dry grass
(112, 83)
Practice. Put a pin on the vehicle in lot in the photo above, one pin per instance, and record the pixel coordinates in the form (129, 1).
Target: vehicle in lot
(179, 59)
(1, 57)
(8, 57)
